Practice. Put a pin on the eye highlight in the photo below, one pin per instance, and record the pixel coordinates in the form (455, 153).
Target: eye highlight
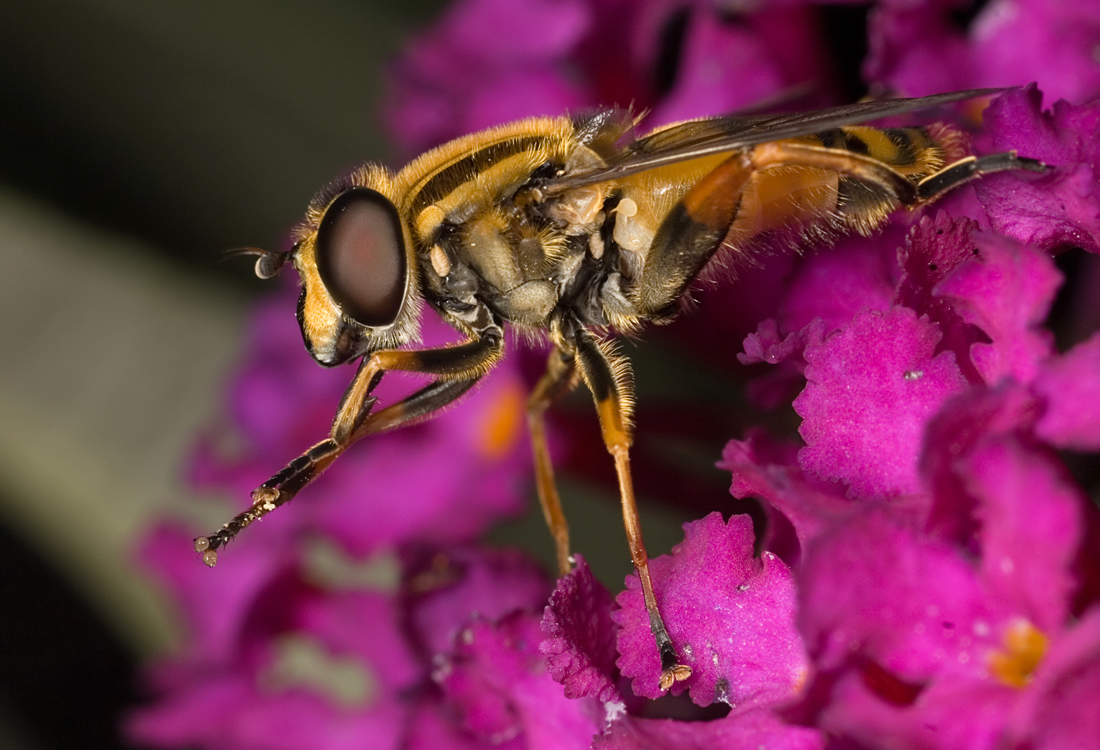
(361, 256)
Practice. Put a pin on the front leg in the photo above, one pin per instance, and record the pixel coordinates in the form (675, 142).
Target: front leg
(460, 367)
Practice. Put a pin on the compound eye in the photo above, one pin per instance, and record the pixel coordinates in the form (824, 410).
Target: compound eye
(361, 256)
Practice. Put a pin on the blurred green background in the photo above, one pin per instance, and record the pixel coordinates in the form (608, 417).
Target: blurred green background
(137, 141)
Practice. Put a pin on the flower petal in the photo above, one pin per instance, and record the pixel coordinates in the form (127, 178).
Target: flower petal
(1070, 387)
(580, 636)
(933, 249)
(1007, 294)
(746, 730)
(730, 615)
(963, 424)
(497, 679)
(1062, 207)
(769, 470)
(870, 389)
(1030, 528)
(1058, 709)
(913, 605)
(836, 283)
(444, 588)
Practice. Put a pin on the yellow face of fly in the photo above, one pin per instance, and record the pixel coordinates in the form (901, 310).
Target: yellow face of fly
(354, 254)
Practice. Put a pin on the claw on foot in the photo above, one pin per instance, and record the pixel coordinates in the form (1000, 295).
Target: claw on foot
(672, 671)
(672, 675)
(209, 554)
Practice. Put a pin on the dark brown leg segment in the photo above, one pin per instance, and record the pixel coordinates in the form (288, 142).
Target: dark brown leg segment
(967, 169)
(608, 377)
(560, 378)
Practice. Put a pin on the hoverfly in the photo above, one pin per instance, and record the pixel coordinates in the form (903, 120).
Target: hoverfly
(574, 228)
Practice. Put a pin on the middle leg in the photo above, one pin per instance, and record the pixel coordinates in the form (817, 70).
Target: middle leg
(560, 378)
(608, 377)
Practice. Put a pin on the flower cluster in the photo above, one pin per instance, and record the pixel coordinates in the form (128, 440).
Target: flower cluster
(943, 572)
(929, 576)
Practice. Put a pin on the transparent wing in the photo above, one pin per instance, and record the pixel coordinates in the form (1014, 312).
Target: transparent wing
(696, 138)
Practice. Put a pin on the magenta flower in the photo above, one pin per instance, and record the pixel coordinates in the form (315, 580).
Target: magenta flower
(924, 646)
(862, 423)
(284, 660)
(939, 540)
(735, 627)
(477, 621)
(486, 62)
(732, 615)
(964, 597)
(1058, 209)
(580, 647)
(741, 730)
(1070, 389)
(274, 661)
(489, 61)
(442, 590)
(497, 680)
(919, 48)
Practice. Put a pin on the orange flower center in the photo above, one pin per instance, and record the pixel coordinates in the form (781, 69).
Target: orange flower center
(1024, 646)
(501, 423)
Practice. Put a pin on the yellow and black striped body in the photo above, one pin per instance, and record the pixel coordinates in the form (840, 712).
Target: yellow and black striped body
(916, 153)
(793, 192)
(477, 236)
